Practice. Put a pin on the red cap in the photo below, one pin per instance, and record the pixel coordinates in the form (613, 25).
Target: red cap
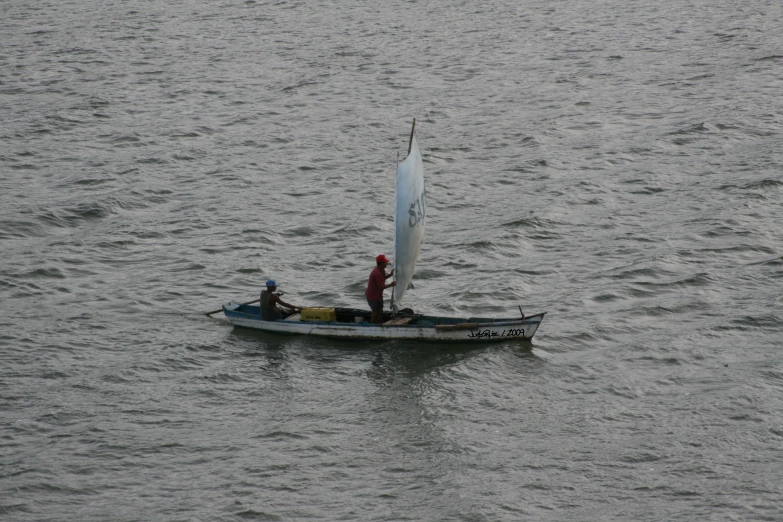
(381, 259)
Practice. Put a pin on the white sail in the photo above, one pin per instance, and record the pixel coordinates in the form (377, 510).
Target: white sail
(408, 220)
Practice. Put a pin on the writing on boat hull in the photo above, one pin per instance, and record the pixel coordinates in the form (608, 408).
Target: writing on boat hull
(488, 334)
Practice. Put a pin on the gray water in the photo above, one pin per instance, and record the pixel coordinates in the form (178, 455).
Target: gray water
(615, 164)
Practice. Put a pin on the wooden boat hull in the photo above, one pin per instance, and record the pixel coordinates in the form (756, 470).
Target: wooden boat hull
(416, 327)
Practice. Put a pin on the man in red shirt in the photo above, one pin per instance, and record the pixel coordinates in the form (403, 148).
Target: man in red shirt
(376, 286)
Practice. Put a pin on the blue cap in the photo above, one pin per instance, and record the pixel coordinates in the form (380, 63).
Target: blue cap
(271, 282)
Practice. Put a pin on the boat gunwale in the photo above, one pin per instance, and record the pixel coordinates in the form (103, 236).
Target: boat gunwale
(487, 322)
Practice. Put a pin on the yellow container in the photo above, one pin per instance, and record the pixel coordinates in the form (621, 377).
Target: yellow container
(318, 314)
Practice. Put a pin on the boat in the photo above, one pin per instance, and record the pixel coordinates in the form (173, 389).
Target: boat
(353, 323)
(398, 323)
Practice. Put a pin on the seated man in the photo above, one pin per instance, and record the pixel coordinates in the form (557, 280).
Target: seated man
(272, 307)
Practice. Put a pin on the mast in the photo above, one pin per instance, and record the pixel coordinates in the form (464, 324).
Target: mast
(410, 142)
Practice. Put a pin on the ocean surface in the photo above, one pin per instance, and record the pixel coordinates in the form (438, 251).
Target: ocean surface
(618, 165)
